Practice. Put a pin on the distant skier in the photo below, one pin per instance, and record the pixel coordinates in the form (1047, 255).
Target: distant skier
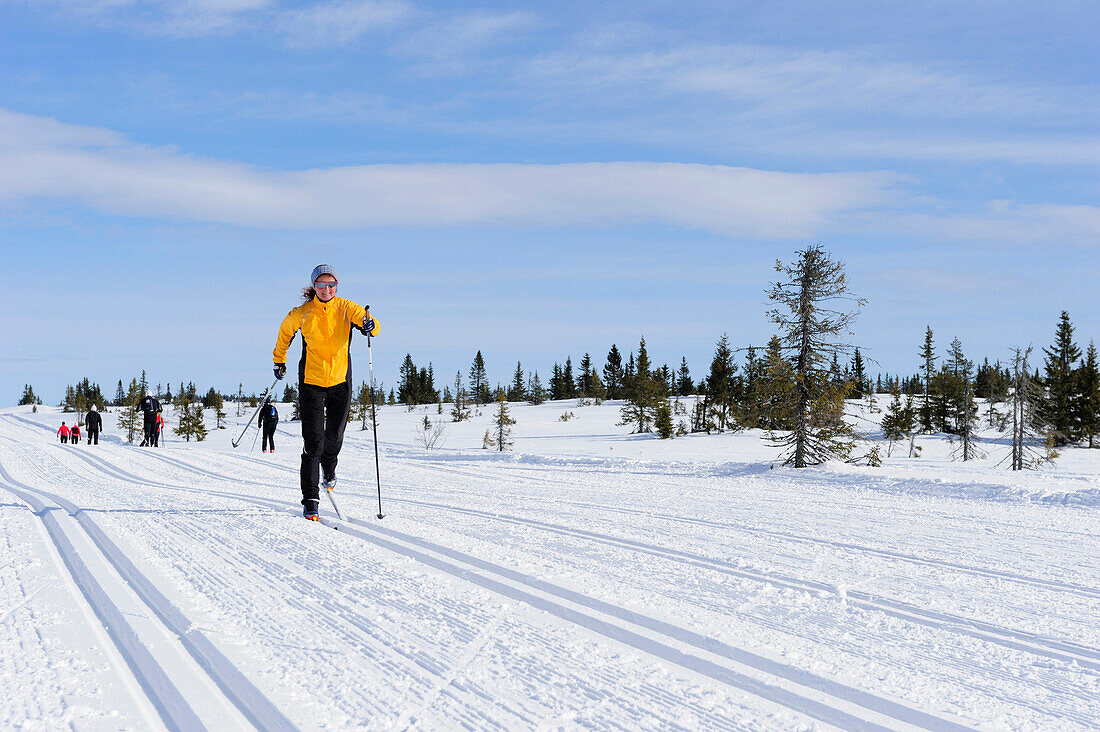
(158, 430)
(63, 430)
(93, 422)
(324, 375)
(74, 435)
(150, 408)
(269, 420)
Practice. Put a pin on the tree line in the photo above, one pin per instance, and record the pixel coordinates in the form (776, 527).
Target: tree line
(794, 388)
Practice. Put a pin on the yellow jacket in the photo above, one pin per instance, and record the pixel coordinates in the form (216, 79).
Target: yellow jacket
(326, 335)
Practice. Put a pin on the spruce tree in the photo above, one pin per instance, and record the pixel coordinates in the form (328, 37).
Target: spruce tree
(408, 386)
(585, 386)
(28, 396)
(536, 394)
(568, 385)
(720, 386)
(899, 421)
(518, 391)
(662, 420)
(810, 329)
(963, 407)
(858, 377)
(120, 395)
(774, 398)
(684, 385)
(1061, 407)
(643, 391)
(613, 373)
(1089, 383)
(460, 411)
(928, 358)
(479, 381)
(128, 416)
(502, 424)
(557, 388)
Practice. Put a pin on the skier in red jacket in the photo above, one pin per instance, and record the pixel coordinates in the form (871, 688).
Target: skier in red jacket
(64, 432)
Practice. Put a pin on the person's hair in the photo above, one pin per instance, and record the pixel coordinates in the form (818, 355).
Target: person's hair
(308, 293)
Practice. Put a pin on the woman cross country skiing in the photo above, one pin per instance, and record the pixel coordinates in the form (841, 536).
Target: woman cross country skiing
(324, 375)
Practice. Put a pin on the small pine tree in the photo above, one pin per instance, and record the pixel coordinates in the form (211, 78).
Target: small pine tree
(643, 391)
(536, 394)
(898, 421)
(501, 437)
(662, 420)
(28, 396)
(460, 411)
(128, 418)
(518, 391)
(1090, 395)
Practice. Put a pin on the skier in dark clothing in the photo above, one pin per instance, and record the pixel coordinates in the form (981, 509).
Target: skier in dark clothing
(150, 408)
(63, 430)
(324, 375)
(74, 435)
(93, 422)
(269, 420)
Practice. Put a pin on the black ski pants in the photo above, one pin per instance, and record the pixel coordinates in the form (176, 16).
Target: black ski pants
(150, 429)
(93, 437)
(268, 442)
(324, 413)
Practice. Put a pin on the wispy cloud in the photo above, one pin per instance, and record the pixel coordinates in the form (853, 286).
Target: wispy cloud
(100, 170)
(331, 23)
(339, 23)
(772, 80)
(1004, 223)
(452, 44)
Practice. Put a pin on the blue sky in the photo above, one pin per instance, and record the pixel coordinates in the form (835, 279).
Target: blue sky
(534, 180)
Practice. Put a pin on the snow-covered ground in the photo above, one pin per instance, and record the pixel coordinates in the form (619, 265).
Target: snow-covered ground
(588, 579)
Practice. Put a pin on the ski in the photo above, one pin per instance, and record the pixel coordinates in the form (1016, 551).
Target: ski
(336, 508)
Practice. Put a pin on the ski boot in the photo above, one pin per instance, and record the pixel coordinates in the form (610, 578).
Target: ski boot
(309, 509)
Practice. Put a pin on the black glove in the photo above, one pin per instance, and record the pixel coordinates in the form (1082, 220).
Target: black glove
(368, 324)
(280, 371)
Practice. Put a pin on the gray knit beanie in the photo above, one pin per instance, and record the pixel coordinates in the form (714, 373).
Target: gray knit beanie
(322, 269)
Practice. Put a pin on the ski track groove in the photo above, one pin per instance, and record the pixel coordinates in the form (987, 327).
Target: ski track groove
(445, 507)
(944, 622)
(236, 687)
(776, 694)
(1054, 584)
(152, 679)
(1058, 649)
(479, 721)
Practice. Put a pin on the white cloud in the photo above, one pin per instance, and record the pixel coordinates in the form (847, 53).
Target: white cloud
(98, 169)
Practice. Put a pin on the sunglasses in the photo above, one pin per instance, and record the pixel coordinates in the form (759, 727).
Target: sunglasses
(324, 285)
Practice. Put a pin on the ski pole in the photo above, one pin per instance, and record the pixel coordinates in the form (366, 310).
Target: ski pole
(260, 406)
(374, 426)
